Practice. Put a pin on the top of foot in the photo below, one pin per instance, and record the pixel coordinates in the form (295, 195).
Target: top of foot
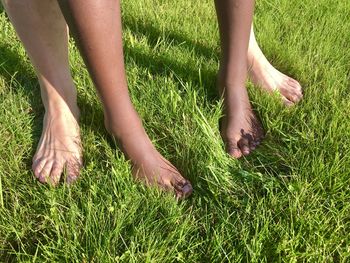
(149, 166)
(154, 169)
(270, 79)
(240, 129)
(59, 149)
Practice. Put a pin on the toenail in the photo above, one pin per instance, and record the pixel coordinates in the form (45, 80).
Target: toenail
(187, 188)
(42, 179)
(185, 192)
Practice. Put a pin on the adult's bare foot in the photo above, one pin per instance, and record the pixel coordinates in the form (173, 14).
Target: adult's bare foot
(59, 147)
(264, 75)
(240, 129)
(154, 169)
(148, 165)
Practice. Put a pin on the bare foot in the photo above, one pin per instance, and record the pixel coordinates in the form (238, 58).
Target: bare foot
(240, 129)
(59, 148)
(154, 169)
(148, 165)
(264, 75)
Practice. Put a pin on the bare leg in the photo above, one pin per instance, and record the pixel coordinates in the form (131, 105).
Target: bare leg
(263, 74)
(240, 129)
(43, 31)
(96, 26)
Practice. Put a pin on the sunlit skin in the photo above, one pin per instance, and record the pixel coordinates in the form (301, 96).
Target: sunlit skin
(44, 34)
(96, 26)
(240, 128)
(264, 75)
(42, 27)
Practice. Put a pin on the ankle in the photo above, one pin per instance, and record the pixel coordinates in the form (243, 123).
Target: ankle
(58, 91)
(230, 87)
(257, 62)
(133, 141)
(123, 126)
(232, 76)
(62, 109)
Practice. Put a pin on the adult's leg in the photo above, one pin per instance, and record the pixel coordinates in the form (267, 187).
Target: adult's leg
(96, 26)
(240, 128)
(264, 75)
(43, 31)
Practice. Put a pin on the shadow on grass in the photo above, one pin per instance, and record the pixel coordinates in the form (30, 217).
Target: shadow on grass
(158, 65)
(14, 69)
(154, 33)
(163, 64)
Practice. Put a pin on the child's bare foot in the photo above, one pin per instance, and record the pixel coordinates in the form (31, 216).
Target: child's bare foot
(149, 166)
(240, 129)
(263, 74)
(59, 147)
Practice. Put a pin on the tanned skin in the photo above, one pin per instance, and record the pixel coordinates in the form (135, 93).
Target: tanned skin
(42, 26)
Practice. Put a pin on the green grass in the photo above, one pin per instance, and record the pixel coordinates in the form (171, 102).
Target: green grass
(287, 202)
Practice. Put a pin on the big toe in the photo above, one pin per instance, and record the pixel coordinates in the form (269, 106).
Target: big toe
(183, 188)
(232, 148)
(292, 91)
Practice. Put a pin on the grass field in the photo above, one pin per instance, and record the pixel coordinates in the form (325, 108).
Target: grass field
(287, 202)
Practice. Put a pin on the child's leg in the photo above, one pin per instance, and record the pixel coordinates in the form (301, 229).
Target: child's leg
(240, 129)
(96, 26)
(43, 31)
(263, 74)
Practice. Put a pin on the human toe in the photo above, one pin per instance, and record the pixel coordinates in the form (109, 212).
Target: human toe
(37, 166)
(244, 144)
(294, 83)
(73, 170)
(253, 145)
(232, 148)
(45, 172)
(56, 172)
(291, 94)
(183, 188)
(296, 88)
